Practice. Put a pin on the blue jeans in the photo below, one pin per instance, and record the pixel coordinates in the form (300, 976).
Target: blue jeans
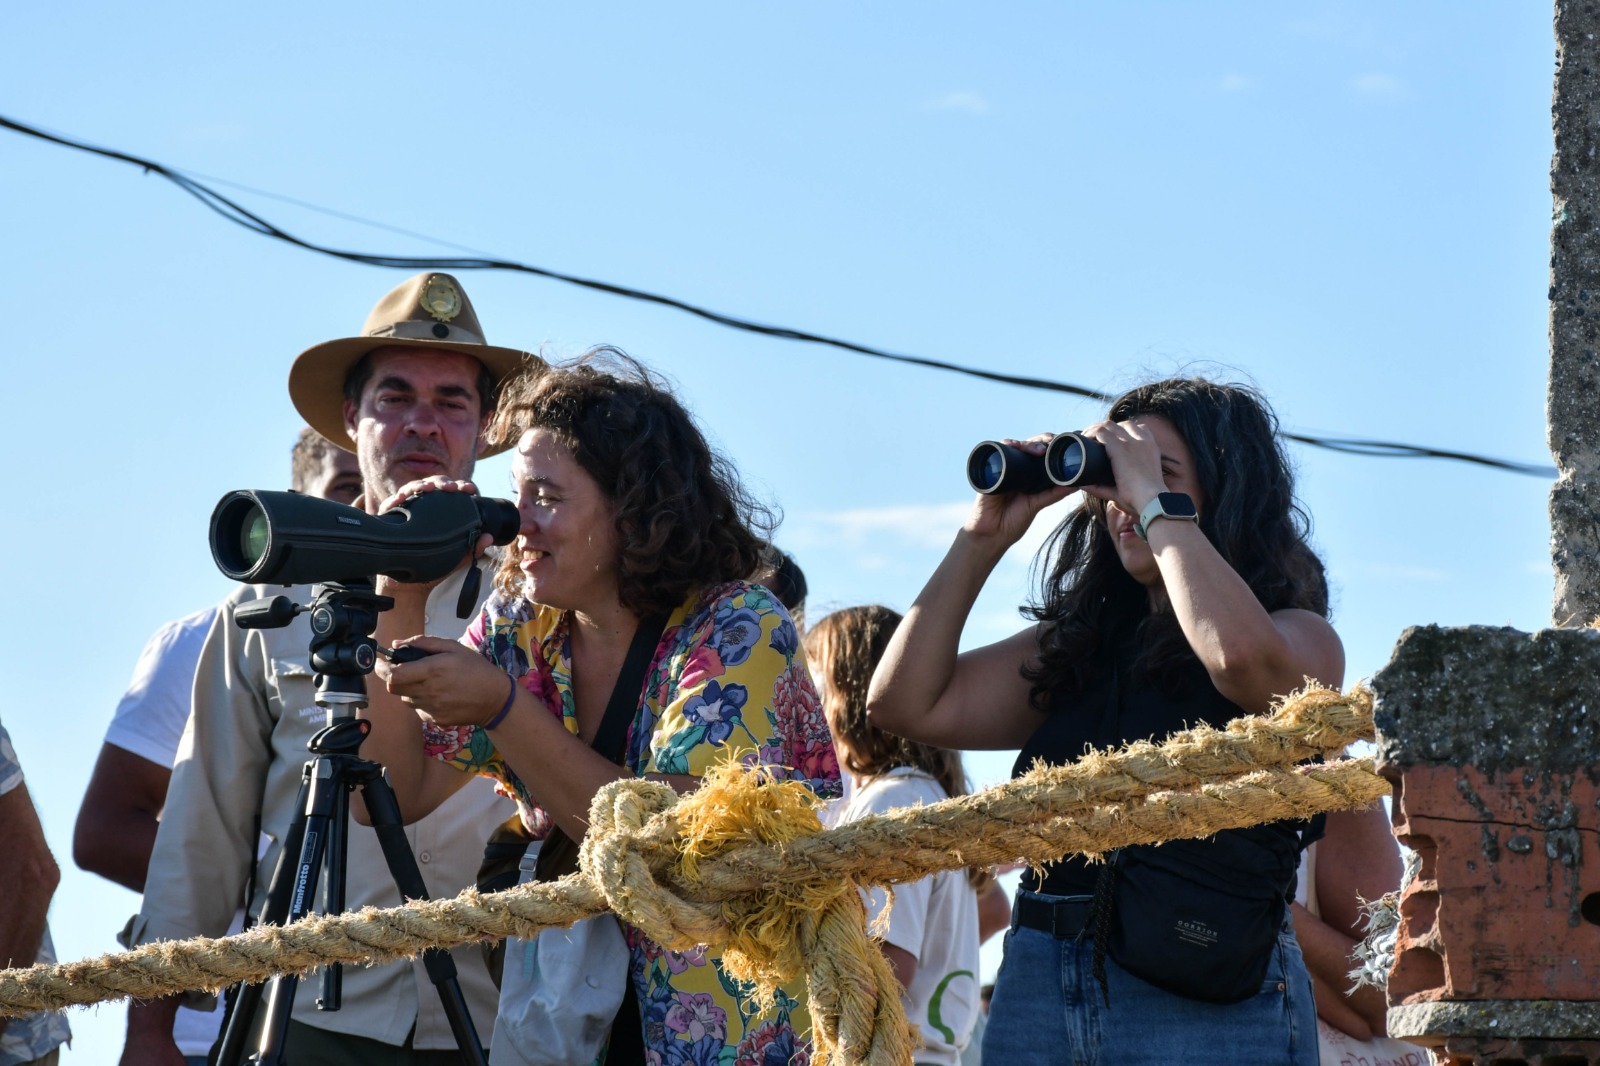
(1048, 1008)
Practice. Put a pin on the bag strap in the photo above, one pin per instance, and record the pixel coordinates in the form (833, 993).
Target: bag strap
(626, 1042)
(1098, 924)
(558, 855)
(612, 736)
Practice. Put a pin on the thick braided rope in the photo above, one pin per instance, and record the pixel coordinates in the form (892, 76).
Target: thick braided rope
(818, 932)
(1231, 778)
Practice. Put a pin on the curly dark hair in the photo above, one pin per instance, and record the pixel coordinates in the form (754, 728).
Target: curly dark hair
(683, 519)
(311, 451)
(1250, 515)
(843, 649)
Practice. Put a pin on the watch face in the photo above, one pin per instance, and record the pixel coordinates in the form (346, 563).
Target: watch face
(1177, 505)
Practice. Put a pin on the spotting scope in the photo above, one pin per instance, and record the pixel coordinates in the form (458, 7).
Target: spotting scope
(285, 538)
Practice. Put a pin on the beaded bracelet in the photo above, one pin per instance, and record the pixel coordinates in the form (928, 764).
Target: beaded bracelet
(511, 697)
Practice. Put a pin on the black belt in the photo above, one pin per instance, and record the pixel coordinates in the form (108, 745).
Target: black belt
(1060, 916)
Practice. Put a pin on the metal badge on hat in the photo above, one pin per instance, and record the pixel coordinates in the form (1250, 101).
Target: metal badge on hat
(440, 298)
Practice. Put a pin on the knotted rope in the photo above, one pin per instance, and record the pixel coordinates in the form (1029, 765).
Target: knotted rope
(741, 866)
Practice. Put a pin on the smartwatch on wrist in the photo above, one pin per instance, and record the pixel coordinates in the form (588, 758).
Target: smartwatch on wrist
(1175, 505)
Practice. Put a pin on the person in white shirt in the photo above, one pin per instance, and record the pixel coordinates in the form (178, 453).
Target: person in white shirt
(930, 935)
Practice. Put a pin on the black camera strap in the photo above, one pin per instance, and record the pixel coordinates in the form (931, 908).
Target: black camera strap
(559, 854)
(610, 738)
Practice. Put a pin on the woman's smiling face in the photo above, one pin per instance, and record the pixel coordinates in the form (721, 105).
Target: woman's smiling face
(568, 538)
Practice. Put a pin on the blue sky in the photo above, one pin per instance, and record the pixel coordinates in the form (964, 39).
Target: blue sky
(1347, 204)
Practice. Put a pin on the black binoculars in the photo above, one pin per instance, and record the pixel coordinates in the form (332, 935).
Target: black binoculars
(1069, 459)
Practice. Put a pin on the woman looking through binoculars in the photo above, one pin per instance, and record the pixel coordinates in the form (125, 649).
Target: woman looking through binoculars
(635, 540)
(1182, 592)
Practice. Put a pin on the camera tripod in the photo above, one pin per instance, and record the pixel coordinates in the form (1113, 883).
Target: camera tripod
(343, 617)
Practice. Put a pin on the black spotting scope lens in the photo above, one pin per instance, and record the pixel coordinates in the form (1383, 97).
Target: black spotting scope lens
(253, 537)
(241, 534)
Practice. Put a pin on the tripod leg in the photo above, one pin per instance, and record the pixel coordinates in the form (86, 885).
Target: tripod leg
(385, 813)
(335, 861)
(238, 1031)
(273, 912)
(324, 786)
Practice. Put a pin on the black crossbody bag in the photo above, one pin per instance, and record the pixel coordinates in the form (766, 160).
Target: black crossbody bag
(1199, 918)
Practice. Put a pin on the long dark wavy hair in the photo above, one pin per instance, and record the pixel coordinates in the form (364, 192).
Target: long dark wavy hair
(683, 519)
(1249, 514)
(843, 649)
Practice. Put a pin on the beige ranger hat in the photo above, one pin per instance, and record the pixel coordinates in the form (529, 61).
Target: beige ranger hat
(429, 312)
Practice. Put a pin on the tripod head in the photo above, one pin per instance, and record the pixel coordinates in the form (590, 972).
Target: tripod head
(344, 615)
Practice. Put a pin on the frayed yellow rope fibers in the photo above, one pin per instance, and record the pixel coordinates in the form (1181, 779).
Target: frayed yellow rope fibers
(731, 884)
(728, 809)
(809, 928)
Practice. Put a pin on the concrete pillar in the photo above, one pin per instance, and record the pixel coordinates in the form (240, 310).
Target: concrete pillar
(1573, 406)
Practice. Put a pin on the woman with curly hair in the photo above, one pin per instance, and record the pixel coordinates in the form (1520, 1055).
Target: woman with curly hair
(1182, 593)
(633, 533)
(931, 934)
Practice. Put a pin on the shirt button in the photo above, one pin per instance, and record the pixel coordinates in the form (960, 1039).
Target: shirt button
(426, 856)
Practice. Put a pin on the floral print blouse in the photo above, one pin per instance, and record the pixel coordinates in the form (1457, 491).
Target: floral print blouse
(728, 681)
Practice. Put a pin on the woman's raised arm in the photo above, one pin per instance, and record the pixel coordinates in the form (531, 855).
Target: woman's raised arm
(1251, 655)
(924, 689)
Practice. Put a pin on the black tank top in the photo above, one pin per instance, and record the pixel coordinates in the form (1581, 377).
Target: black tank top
(1118, 708)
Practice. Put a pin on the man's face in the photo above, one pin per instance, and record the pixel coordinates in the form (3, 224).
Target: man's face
(419, 415)
(339, 479)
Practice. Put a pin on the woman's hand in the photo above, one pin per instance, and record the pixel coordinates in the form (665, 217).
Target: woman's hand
(452, 686)
(1003, 517)
(1135, 465)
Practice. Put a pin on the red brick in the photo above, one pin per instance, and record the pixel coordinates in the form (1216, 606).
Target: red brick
(1505, 907)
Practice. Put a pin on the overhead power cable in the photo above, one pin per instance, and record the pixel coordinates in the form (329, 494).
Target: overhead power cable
(239, 215)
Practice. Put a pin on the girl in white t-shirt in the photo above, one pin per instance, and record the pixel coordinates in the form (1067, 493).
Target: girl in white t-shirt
(931, 935)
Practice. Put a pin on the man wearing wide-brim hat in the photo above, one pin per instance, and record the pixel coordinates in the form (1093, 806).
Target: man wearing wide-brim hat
(428, 315)
(411, 397)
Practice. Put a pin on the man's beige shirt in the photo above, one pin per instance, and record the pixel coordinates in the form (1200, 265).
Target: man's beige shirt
(241, 754)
